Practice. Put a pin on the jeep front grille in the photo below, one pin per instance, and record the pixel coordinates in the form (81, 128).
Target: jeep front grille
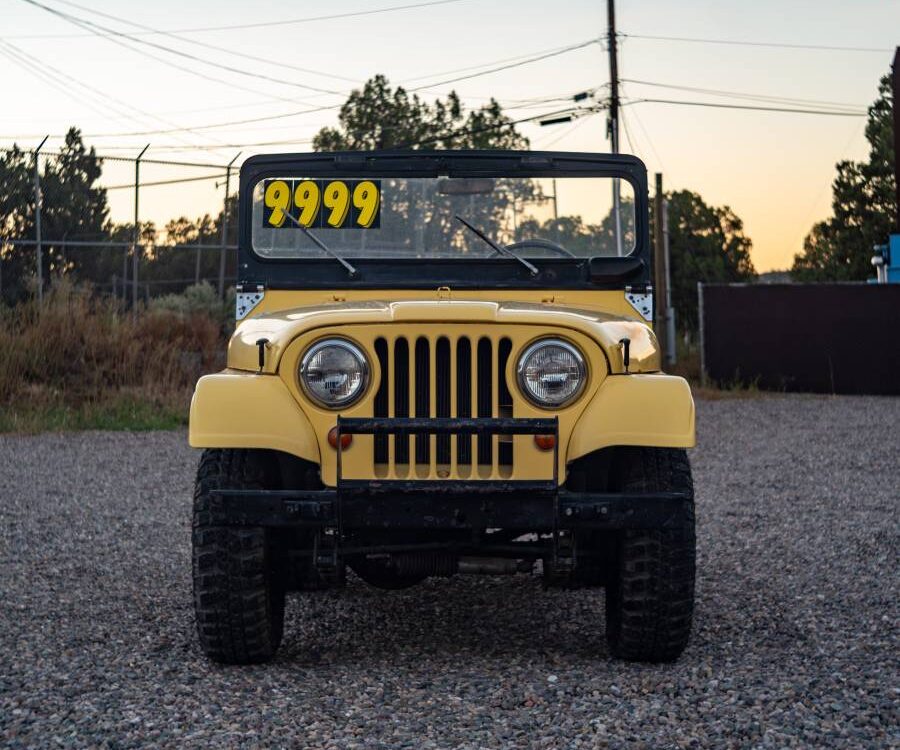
(443, 376)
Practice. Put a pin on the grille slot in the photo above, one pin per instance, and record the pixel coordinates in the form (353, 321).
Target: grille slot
(454, 376)
(442, 395)
(485, 390)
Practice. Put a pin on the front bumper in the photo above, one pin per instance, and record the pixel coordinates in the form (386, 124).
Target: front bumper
(453, 505)
(462, 507)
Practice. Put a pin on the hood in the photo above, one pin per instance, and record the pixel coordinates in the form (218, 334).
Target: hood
(283, 326)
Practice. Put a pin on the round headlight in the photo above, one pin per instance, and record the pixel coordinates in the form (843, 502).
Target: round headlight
(551, 373)
(334, 373)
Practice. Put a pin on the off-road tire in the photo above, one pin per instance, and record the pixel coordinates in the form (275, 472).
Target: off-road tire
(650, 594)
(238, 594)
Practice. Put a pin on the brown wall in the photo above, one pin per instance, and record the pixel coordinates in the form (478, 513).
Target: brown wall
(823, 338)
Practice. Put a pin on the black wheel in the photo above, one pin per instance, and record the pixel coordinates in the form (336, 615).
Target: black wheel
(650, 592)
(238, 593)
(381, 575)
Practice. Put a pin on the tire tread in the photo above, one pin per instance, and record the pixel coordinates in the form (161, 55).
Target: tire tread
(238, 604)
(650, 601)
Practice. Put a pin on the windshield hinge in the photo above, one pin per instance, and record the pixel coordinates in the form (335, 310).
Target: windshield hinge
(248, 295)
(640, 297)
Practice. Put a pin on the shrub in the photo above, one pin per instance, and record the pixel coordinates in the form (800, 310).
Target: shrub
(80, 349)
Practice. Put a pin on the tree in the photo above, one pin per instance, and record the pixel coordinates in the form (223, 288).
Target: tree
(584, 239)
(73, 207)
(16, 206)
(863, 202)
(378, 117)
(706, 243)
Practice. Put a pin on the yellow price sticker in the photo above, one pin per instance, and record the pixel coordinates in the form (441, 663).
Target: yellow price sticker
(322, 204)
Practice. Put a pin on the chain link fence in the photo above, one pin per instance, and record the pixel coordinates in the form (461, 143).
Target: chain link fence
(55, 209)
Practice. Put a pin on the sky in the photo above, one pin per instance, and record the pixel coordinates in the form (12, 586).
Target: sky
(774, 169)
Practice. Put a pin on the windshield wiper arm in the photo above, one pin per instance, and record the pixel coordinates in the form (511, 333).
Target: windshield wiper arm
(499, 248)
(351, 270)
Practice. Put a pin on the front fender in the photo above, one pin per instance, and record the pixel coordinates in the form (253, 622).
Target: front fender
(234, 409)
(645, 410)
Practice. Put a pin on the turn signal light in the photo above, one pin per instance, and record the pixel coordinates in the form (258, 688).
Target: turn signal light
(346, 438)
(545, 442)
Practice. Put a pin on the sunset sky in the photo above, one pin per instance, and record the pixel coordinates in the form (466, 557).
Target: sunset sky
(773, 168)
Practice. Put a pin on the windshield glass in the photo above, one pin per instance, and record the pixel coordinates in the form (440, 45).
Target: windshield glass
(367, 217)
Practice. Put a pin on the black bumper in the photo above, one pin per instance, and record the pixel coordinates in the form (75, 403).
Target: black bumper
(449, 505)
(381, 506)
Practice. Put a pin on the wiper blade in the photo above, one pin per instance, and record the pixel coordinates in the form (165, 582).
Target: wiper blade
(499, 248)
(351, 270)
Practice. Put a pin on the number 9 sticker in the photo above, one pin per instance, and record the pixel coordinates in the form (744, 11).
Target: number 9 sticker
(366, 201)
(321, 204)
(278, 201)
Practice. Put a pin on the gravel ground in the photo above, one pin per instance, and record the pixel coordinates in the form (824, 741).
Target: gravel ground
(795, 641)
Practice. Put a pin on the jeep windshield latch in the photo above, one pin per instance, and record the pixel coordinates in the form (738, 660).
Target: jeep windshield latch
(626, 352)
(261, 345)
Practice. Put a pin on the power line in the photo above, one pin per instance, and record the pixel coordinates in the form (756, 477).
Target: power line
(37, 66)
(298, 141)
(516, 62)
(467, 68)
(285, 142)
(745, 95)
(754, 108)
(12, 54)
(113, 36)
(649, 139)
(627, 134)
(285, 115)
(216, 47)
(29, 63)
(106, 157)
(576, 124)
(322, 108)
(527, 61)
(260, 24)
(742, 43)
(166, 182)
(158, 148)
(488, 128)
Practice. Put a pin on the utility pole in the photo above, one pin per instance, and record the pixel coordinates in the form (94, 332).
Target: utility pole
(613, 122)
(896, 86)
(664, 314)
(39, 249)
(224, 252)
(659, 268)
(670, 311)
(135, 243)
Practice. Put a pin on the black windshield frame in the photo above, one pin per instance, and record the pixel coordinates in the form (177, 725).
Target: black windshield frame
(457, 273)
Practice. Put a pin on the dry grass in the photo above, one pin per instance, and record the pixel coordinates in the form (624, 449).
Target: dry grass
(82, 361)
(688, 367)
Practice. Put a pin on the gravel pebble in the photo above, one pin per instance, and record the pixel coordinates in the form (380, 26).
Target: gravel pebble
(795, 640)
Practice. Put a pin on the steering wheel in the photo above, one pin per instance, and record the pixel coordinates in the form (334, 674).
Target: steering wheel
(544, 244)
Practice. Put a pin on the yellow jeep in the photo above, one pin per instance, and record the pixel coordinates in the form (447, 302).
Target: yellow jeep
(441, 367)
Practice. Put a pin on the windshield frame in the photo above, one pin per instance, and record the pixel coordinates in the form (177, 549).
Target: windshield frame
(463, 273)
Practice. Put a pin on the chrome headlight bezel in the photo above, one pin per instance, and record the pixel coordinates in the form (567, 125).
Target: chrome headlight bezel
(348, 346)
(530, 351)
